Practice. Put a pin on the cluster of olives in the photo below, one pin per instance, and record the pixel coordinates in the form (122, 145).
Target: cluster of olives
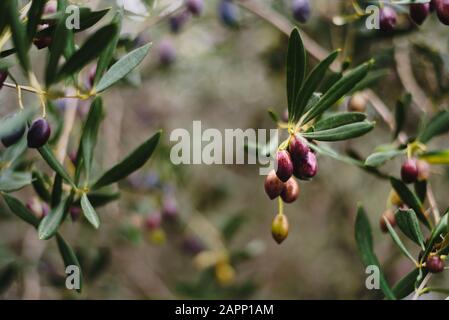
(38, 134)
(418, 13)
(297, 160)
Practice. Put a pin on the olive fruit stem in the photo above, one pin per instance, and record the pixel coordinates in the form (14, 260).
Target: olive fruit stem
(281, 206)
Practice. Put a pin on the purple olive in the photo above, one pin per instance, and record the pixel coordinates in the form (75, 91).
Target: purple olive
(301, 10)
(13, 137)
(39, 133)
(291, 191)
(193, 245)
(307, 167)
(419, 12)
(409, 171)
(284, 165)
(434, 264)
(442, 8)
(178, 21)
(195, 6)
(167, 53)
(227, 11)
(273, 185)
(388, 19)
(298, 148)
(75, 213)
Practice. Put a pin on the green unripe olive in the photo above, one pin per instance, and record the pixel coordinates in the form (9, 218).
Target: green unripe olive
(279, 228)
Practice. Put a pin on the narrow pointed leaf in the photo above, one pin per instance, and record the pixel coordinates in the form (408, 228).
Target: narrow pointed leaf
(19, 35)
(438, 125)
(53, 163)
(339, 120)
(296, 68)
(345, 132)
(338, 90)
(34, 18)
(48, 227)
(371, 79)
(400, 114)
(91, 49)
(440, 229)
(123, 67)
(58, 45)
(20, 210)
(90, 133)
(408, 222)
(68, 256)
(421, 190)
(107, 55)
(409, 199)
(12, 181)
(397, 240)
(406, 285)
(89, 211)
(363, 236)
(311, 85)
(40, 186)
(130, 164)
(379, 158)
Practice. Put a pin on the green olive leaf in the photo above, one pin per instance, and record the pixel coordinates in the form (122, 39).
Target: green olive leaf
(34, 18)
(311, 84)
(438, 125)
(48, 227)
(20, 210)
(91, 49)
(409, 199)
(19, 36)
(51, 160)
(398, 241)
(337, 91)
(408, 222)
(363, 236)
(379, 158)
(58, 45)
(11, 181)
(406, 285)
(123, 67)
(130, 164)
(90, 133)
(338, 120)
(108, 54)
(89, 211)
(296, 68)
(68, 256)
(344, 132)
